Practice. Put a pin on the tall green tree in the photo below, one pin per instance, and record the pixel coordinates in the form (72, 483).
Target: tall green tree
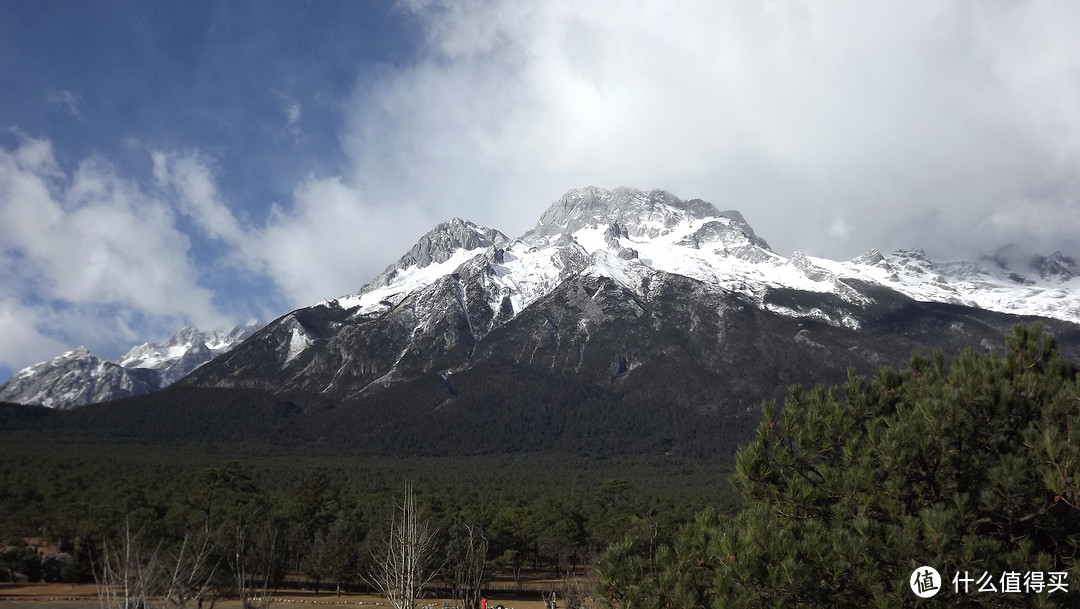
(968, 469)
(513, 535)
(335, 555)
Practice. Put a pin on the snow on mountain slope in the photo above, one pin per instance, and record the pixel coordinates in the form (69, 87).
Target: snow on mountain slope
(609, 281)
(76, 378)
(436, 254)
(157, 357)
(462, 281)
(185, 351)
(79, 377)
(622, 233)
(965, 283)
(405, 281)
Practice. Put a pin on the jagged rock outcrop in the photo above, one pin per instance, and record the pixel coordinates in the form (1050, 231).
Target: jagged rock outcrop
(1057, 266)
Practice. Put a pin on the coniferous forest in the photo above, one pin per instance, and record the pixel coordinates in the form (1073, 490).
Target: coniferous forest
(967, 466)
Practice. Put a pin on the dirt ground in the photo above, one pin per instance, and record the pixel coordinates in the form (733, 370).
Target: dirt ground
(84, 596)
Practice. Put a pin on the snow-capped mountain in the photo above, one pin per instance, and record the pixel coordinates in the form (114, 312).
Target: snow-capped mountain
(440, 248)
(76, 378)
(79, 377)
(625, 234)
(610, 282)
(185, 351)
(623, 320)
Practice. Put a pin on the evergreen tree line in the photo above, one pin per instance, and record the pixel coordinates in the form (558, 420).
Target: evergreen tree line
(257, 527)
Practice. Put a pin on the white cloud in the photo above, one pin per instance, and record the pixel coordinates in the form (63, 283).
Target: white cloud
(65, 99)
(189, 178)
(327, 244)
(324, 244)
(912, 122)
(94, 246)
(839, 229)
(23, 343)
(92, 258)
(292, 113)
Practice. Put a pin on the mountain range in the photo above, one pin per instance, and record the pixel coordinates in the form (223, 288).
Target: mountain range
(78, 377)
(622, 318)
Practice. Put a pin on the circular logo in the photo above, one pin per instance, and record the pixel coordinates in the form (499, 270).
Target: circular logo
(925, 582)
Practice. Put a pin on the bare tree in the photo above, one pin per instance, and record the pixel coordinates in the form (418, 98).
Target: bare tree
(468, 568)
(129, 575)
(125, 573)
(404, 567)
(253, 564)
(575, 591)
(192, 577)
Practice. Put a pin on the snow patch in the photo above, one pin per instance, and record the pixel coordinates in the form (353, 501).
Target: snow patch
(298, 342)
(403, 284)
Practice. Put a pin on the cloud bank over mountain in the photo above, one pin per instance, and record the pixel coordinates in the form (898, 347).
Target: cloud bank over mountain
(833, 128)
(272, 171)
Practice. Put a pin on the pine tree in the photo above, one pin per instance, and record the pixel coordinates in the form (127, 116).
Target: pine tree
(969, 469)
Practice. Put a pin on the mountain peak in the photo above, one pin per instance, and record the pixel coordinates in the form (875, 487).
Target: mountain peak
(187, 335)
(189, 339)
(638, 211)
(75, 378)
(1024, 266)
(1058, 266)
(80, 352)
(640, 214)
(871, 258)
(439, 245)
(78, 377)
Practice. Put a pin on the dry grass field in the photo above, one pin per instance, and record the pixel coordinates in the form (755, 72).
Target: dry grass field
(84, 596)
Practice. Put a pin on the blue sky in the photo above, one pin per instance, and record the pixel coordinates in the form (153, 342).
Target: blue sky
(165, 163)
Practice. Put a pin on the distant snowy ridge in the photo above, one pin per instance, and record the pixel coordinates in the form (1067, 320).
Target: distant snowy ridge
(78, 378)
(186, 350)
(1046, 286)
